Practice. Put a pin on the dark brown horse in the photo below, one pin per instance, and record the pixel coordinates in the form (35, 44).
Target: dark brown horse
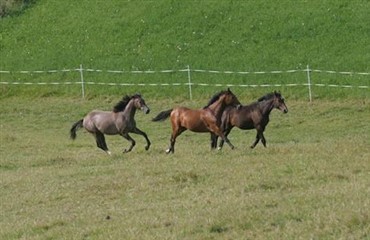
(207, 119)
(255, 115)
(119, 121)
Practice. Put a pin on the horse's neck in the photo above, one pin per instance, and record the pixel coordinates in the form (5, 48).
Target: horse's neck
(130, 110)
(266, 107)
(217, 108)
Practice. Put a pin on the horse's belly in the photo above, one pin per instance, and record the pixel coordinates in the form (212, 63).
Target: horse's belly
(246, 126)
(198, 127)
(111, 130)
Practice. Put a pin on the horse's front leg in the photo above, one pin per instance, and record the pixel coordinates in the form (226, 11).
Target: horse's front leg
(228, 142)
(226, 133)
(138, 131)
(217, 130)
(214, 139)
(223, 138)
(129, 138)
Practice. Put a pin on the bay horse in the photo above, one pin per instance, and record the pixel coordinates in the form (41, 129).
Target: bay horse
(207, 119)
(118, 121)
(255, 115)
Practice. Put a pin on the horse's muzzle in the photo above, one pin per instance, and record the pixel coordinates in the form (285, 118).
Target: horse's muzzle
(146, 110)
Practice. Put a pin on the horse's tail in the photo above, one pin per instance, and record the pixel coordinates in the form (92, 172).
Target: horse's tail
(162, 116)
(75, 127)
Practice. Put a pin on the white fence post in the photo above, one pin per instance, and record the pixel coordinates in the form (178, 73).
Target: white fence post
(82, 81)
(189, 82)
(309, 82)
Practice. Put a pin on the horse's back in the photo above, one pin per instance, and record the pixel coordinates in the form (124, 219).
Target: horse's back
(98, 115)
(185, 111)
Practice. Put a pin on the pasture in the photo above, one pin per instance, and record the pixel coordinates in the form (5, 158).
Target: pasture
(311, 182)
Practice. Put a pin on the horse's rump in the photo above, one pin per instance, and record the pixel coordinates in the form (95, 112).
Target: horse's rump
(102, 121)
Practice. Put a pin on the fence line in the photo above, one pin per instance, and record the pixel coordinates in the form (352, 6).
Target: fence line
(189, 83)
(186, 70)
(186, 84)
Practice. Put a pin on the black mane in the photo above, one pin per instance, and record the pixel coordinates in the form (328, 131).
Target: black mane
(215, 98)
(266, 97)
(269, 96)
(121, 105)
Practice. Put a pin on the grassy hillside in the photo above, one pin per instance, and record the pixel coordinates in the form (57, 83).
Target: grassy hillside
(213, 35)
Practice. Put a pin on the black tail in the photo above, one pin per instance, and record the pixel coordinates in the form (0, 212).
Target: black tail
(162, 116)
(75, 127)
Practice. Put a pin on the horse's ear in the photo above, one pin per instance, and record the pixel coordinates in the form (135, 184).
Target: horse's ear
(228, 89)
(277, 93)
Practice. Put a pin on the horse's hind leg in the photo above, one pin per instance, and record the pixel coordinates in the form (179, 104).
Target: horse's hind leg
(175, 134)
(263, 140)
(138, 131)
(259, 136)
(129, 138)
(100, 142)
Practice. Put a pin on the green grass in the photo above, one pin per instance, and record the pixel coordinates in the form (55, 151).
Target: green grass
(310, 182)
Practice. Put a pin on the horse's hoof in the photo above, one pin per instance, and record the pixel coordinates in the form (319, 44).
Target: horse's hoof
(147, 148)
(219, 148)
(126, 151)
(168, 151)
(109, 153)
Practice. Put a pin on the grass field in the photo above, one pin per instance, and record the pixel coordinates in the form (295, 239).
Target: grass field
(311, 182)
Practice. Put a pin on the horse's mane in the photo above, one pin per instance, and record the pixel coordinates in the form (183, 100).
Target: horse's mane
(269, 96)
(121, 105)
(215, 98)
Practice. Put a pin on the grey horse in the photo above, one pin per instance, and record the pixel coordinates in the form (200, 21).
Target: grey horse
(119, 121)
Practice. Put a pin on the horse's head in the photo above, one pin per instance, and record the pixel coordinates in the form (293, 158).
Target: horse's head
(279, 102)
(226, 97)
(230, 99)
(139, 103)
